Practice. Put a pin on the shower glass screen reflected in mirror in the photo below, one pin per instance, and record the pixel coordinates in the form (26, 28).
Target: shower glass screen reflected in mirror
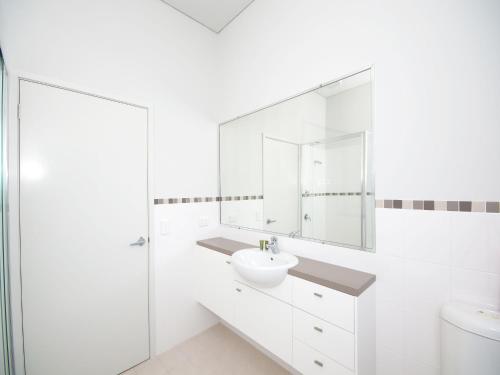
(303, 167)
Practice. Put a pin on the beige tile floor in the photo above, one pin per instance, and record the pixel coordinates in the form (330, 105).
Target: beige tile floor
(217, 351)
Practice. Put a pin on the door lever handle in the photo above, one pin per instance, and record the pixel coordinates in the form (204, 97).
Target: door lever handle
(270, 221)
(140, 242)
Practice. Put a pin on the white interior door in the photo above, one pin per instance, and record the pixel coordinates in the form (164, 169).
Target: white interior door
(83, 201)
(281, 186)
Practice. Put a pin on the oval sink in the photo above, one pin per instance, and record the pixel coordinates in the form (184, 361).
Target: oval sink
(262, 267)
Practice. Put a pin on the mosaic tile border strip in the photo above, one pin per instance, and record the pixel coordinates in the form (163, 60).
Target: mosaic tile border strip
(348, 193)
(207, 199)
(427, 205)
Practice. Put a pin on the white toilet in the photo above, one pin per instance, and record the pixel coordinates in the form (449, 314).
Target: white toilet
(470, 340)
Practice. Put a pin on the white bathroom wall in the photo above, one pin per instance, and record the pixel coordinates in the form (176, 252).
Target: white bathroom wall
(178, 226)
(141, 51)
(436, 134)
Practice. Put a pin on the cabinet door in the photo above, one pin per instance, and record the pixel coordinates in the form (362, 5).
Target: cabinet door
(266, 320)
(215, 283)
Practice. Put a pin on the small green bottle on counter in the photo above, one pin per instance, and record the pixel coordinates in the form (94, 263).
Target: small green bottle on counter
(263, 244)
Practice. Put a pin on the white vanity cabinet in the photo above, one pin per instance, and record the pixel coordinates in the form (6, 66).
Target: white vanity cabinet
(312, 328)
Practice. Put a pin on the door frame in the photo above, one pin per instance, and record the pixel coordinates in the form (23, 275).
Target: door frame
(13, 183)
(4, 251)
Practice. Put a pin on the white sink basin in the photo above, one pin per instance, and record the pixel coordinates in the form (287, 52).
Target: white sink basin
(263, 268)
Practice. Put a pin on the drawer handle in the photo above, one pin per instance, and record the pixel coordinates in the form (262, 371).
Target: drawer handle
(228, 261)
(320, 330)
(318, 295)
(320, 364)
(238, 290)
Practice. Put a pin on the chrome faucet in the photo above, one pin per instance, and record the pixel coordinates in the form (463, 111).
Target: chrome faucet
(273, 245)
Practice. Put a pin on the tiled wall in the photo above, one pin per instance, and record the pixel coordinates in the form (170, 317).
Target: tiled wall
(177, 227)
(425, 258)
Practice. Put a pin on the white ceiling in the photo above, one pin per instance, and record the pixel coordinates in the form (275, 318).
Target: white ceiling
(213, 14)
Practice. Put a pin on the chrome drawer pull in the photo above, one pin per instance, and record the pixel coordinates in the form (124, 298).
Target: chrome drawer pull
(320, 364)
(238, 290)
(318, 295)
(228, 261)
(318, 329)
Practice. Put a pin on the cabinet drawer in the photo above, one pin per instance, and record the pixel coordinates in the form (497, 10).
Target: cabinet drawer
(282, 291)
(310, 362)
(210, 262)
(325, 303)
(326, 338)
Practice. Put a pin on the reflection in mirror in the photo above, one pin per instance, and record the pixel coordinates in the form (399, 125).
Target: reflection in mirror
(303, 167)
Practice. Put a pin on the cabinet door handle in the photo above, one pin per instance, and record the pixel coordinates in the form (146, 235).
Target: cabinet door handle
(320, 364)
(228, 261)
(320, 330)
(318, 295)
(238, 290)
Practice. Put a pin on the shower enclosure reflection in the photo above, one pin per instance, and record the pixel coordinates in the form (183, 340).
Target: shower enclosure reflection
(332, 192)
(302, 167)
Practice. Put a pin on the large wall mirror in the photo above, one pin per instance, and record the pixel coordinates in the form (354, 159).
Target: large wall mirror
(303, 167)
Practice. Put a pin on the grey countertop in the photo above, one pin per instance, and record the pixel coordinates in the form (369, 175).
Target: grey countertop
(343, 279)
